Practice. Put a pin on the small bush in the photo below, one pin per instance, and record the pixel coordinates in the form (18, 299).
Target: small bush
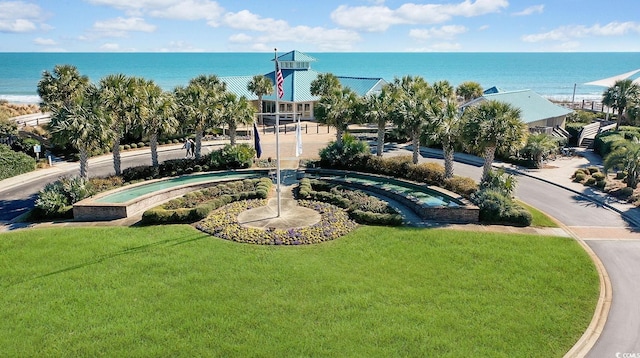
(498, 208)
(232, 157)
(14, 163)
(590, 181)
(600, 183)
(579, 177)
(593, 169)
(141, 144)
(625, 192)
(126, 147)
(55, 196)
(464, 186)
(139, 173)
(599, 176)
(621, 175)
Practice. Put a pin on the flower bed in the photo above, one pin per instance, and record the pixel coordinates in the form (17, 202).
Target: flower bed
(334, 223)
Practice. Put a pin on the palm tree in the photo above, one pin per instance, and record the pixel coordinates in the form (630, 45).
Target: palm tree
(61, 88)
(158, 116)
(236, 111)
(469, 90)
(376, 109)
(338, 108)
(260, 86)
(619, 96)
(82, 124)
(446, 125)
(412, 96)
(118, 97)
(200, 105)
(625, 156)
(540, 145)
(492, 125)
(325, 84)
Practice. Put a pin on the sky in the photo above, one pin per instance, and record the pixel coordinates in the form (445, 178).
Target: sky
(320, 25)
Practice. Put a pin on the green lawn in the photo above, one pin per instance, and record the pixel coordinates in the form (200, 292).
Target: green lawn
(378, 292)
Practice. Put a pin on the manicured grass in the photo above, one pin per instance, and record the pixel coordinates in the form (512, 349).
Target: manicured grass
(540, 219)
(377, 292)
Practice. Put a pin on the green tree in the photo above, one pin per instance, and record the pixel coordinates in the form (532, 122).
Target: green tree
(377, 109)
(492, 125)
(619, 96)
(83, 125)
(412, 98)
(118, 97)
(469, 90)
(158, 116)
(62, 87)
(325, 84)
(200, 104)
(538, 146)
(339, 108)
(260, 86)
(625, 157)
(446, 125)
(236, 111)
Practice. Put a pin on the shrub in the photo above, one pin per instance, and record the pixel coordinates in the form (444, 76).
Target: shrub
(127, 147)
(625, 192)
(464, 186)
(369, 218)
(348, 154)
(139, 172)
(426, 173)
(599, 176)
(232, 157)
(141, 144)
(593, 169)
(579, 177)
(601, 183)
(55, 196)
(590, 181)
(14, 163)
(621, 175)
(498, 208)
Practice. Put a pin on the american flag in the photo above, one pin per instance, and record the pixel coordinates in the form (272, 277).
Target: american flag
(279, 81)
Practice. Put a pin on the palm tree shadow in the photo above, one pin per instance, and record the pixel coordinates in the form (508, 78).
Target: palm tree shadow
(109, 256)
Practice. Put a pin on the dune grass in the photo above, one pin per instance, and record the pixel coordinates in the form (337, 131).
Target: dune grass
(377, 292)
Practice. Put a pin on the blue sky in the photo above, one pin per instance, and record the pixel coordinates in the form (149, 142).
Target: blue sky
(320, 25)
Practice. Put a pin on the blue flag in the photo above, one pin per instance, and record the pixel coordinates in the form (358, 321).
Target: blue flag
(256, 140)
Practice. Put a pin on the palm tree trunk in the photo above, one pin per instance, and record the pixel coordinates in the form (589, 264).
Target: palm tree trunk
(260, 109)
(339, 133)
(153, 144)
(84, 163)
(489, 154)
(448, 152)
(381, 128)
(117, 161)
(415, 141)
(232, 132)
(199, 133)
(619, 119)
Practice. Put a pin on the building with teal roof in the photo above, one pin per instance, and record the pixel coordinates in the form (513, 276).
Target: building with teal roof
(298, 75)
(536, 111)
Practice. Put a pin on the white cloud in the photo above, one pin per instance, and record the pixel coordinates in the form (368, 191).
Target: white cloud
(44, 42)
(169, 9)
(19, 16)
(240, 38)
(246, 20)
(110, 47)
(119, 27)
(380, 18)
(536, 9)
(273, 30)
(565, 33)
(445, 32)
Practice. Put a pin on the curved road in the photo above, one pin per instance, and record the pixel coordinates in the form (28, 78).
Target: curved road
(621, 257)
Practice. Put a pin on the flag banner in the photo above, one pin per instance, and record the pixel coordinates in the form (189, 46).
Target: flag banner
(279, 81)
(256, 140)
(298, 140)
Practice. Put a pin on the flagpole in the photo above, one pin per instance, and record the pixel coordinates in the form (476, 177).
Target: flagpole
(275, 76)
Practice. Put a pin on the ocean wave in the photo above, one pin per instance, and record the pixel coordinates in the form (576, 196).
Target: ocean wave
(20, 99)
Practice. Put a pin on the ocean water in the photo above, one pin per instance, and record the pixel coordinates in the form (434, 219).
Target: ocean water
(552, 75)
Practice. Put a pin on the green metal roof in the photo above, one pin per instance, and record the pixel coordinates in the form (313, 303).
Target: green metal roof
(296, 56)
(533, 107)
(297, 82)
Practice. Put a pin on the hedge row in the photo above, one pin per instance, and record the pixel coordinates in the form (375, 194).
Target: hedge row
(319, 190)
(14, 163)
(199, 204)
(402, 167)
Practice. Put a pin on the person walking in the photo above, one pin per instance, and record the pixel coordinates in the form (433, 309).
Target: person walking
(187, 145)
(191, 148)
